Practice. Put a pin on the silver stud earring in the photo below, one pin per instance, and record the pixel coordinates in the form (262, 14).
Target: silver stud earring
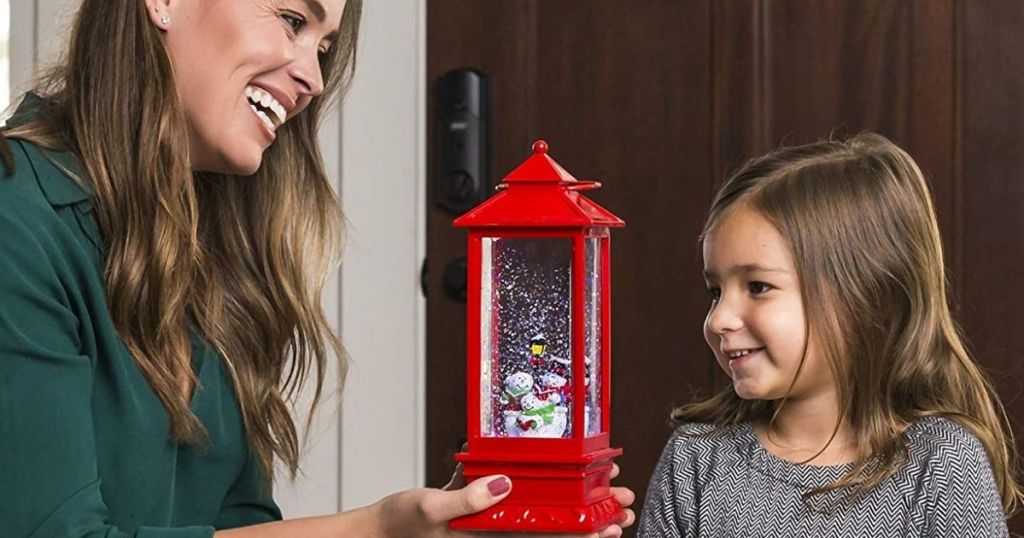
(165, 20)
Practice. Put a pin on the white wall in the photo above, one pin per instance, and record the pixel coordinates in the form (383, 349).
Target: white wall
(374, 148)
(382, 308)
(21, 48)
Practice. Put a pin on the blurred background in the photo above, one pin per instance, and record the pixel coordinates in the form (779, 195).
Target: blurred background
(659, 100)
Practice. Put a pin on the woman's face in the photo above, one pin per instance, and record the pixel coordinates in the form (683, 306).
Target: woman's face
(243, 68)
(756, 325)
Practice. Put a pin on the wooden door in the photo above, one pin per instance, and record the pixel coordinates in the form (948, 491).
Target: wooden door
(661, 99)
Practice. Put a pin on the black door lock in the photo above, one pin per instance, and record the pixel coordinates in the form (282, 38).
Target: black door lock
(463, 114)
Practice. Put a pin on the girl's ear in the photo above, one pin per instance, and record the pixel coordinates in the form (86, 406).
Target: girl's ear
(159, 12)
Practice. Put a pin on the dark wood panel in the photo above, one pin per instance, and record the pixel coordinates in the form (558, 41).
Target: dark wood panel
(846, 67)
(496, 38)
(992, 244)
(623, 97)
(740, 100)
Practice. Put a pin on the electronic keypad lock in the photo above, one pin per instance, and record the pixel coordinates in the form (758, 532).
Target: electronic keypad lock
(463, 118)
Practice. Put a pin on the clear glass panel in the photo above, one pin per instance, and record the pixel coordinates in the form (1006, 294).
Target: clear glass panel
(592, 336)
(525, 337)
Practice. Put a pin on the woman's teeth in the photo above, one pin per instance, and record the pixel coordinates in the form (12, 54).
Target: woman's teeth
(262, 98)
(262, 116)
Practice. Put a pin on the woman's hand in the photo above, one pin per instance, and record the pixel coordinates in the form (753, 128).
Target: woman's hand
(426, 512)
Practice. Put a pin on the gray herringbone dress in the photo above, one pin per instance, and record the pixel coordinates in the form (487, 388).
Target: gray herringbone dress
(720, 482)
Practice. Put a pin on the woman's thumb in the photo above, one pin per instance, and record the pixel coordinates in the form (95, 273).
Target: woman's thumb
(478, 495)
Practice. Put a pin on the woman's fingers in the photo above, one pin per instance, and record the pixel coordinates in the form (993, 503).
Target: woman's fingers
(443, 506)
(628, 518)
(624, 496)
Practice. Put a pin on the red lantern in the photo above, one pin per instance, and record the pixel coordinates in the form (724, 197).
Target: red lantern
(538, 385)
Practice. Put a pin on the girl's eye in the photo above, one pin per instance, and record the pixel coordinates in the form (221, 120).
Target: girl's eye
(758, 288)
(715, 293)
(293, 21)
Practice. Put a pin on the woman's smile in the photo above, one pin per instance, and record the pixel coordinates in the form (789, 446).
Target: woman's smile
(260, 55)
(263, 124)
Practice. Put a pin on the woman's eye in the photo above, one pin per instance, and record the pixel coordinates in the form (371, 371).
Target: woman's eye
(715, 293)
(293, 21)
(757, 288)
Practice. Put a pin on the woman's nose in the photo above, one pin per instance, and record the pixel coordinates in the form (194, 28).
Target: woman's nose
(305, 71)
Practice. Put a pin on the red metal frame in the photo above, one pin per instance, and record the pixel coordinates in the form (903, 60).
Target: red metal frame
(559, 484)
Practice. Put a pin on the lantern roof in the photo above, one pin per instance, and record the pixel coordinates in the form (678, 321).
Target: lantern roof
(540, 194)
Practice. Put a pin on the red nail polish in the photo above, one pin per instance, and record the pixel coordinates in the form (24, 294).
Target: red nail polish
(499, 486)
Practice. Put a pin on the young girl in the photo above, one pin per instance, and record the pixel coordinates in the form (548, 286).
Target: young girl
(855, 409)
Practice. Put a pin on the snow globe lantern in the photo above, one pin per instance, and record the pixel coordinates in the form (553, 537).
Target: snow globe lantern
(538, 356)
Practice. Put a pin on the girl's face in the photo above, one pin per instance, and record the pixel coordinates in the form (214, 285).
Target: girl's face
(243, 68)
(756, 325)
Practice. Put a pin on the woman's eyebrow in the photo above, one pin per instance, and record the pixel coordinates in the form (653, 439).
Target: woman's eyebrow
(317, 8)
(321, 15)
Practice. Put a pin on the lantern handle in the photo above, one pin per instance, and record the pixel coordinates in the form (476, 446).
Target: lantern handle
(579, 185)
(582, 185)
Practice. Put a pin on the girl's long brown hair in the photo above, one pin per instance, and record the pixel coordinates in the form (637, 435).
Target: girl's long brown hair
(859, 218)
(240, 260)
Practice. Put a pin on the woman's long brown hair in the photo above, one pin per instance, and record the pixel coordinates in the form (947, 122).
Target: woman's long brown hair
(240, 260)
(859, 218)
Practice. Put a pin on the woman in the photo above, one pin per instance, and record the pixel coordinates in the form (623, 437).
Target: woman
(167, 227)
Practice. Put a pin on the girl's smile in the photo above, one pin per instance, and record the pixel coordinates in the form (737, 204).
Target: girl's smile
(739, 357)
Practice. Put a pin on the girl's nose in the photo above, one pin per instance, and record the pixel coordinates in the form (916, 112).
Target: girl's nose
(724, 317)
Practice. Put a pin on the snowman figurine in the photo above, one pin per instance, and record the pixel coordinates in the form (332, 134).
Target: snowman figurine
(541, 418)
(553, 387)
(536, 414)
(516, 385)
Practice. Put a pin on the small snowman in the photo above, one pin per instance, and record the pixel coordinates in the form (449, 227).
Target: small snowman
(516, 385)
(553, 387)
(536, 413)
(540, 418)
(559, 365)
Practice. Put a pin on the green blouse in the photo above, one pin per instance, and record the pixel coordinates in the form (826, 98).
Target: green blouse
(85, 448)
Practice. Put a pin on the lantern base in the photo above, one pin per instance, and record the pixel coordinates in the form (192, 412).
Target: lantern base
(542, 519)
(550, 494)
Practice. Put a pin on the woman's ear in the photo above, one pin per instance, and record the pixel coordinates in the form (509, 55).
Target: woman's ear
(159, 12)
